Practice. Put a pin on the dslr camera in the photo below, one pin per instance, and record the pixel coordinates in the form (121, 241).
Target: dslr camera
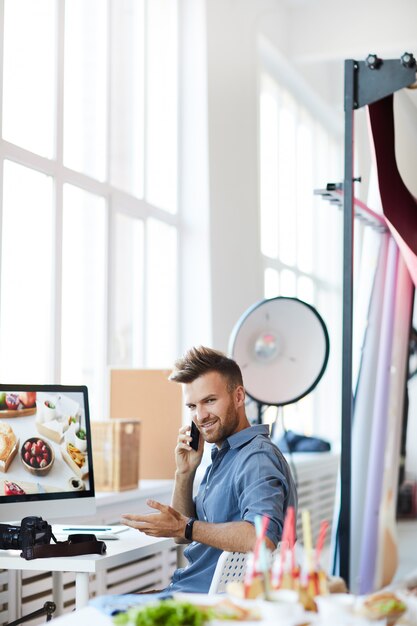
(33, 531)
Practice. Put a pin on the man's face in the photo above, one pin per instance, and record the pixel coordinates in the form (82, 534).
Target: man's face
(217, 412)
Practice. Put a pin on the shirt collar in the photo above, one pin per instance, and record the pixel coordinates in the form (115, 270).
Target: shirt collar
(243, 436)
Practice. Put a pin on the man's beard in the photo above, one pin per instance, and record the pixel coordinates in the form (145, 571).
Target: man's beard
(222, 430)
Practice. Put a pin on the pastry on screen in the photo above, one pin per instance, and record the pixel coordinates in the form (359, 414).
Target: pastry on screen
(8, 446)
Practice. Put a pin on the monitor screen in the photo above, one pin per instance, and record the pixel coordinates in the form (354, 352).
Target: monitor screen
(46, 466)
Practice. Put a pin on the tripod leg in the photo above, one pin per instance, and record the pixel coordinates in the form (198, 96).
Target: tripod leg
(48, 608)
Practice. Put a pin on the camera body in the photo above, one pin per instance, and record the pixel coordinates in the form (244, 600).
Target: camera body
(32, 531)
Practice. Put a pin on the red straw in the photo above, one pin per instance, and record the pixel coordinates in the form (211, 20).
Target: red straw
(285, 539)
(291, 536)
(320, 540)
(288, 523)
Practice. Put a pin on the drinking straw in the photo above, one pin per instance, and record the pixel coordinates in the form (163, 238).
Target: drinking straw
(261, 526)
(278, 569)
(284, 538)
(286, 543)
(308, 545)
(324, 525)
(284, 548)
(249, 575)
(292, 537)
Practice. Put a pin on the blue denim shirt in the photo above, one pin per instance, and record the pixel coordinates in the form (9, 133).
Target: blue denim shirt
(248, 476)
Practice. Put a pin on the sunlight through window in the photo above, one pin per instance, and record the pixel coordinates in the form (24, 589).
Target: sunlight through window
(27, 276)
(29, 75)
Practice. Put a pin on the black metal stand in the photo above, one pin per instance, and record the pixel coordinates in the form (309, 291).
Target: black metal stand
(48, 609)
(260, 407)
(365, 82)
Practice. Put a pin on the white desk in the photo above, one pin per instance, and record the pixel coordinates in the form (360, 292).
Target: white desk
(130, 546)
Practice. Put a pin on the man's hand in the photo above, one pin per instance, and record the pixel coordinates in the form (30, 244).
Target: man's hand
(230, 536)
(186, 458)
(167, 523)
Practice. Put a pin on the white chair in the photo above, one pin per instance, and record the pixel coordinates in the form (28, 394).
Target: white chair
(230, 567)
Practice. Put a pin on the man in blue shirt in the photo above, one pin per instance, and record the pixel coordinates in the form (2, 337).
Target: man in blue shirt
(248, 475)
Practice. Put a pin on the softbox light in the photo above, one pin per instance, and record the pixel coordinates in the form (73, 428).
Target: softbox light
(282, 347)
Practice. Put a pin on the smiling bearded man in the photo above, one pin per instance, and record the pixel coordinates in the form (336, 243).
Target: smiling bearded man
(248, 475)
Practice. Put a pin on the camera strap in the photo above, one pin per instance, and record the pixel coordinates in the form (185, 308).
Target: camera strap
(76, 545)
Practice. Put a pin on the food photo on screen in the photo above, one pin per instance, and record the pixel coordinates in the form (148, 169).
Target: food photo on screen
(43, 443)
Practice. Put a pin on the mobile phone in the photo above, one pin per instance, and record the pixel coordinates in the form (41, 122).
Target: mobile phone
(195, 434)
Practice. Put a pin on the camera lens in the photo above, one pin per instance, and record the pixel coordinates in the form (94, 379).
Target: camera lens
(9, 537)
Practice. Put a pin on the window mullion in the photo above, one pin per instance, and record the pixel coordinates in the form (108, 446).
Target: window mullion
(1, 56)
(110, 251)
(145, 101)
(109, 89)
(1, 137)
(58, 186)
(145, 294)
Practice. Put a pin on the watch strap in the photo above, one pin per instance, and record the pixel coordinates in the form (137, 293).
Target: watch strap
(188, 534)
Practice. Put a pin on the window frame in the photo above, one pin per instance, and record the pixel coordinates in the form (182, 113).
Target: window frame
(116, 200)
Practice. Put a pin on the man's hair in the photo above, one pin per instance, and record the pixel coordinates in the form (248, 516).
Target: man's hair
(199, 361)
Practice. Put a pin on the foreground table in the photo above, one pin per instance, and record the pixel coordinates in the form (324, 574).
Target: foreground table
(91, 615)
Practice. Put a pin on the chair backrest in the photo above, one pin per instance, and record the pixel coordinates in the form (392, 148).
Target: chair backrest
(230, 567)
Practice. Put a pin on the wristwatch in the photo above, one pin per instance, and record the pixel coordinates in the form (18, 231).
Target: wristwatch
(188, 534)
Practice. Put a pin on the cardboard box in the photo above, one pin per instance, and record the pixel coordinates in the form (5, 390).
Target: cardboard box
(115, 445)
(149, 396)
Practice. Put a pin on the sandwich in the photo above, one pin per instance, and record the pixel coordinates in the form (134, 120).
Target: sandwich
(384, 605)
(8, 446)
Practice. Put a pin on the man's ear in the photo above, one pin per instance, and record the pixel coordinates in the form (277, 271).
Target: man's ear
(240, 396)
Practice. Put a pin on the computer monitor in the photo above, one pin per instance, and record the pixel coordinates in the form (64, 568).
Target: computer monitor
(46, 464)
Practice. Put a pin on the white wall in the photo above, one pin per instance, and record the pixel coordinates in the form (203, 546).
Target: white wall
(236, 279)
(314, 37)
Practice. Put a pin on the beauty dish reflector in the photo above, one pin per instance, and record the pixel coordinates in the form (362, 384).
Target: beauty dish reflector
(282, 347)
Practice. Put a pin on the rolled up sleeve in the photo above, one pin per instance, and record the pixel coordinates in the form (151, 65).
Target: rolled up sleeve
(263, 490)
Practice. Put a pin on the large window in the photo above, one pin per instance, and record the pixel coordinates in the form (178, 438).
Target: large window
(301, 235)
(88, 171)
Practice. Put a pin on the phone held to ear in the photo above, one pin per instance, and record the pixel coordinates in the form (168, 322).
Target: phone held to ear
(195, 434)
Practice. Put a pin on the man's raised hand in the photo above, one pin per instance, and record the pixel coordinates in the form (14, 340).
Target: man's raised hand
(186, 458)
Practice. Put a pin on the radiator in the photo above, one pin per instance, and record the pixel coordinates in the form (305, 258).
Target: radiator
(316, 477)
